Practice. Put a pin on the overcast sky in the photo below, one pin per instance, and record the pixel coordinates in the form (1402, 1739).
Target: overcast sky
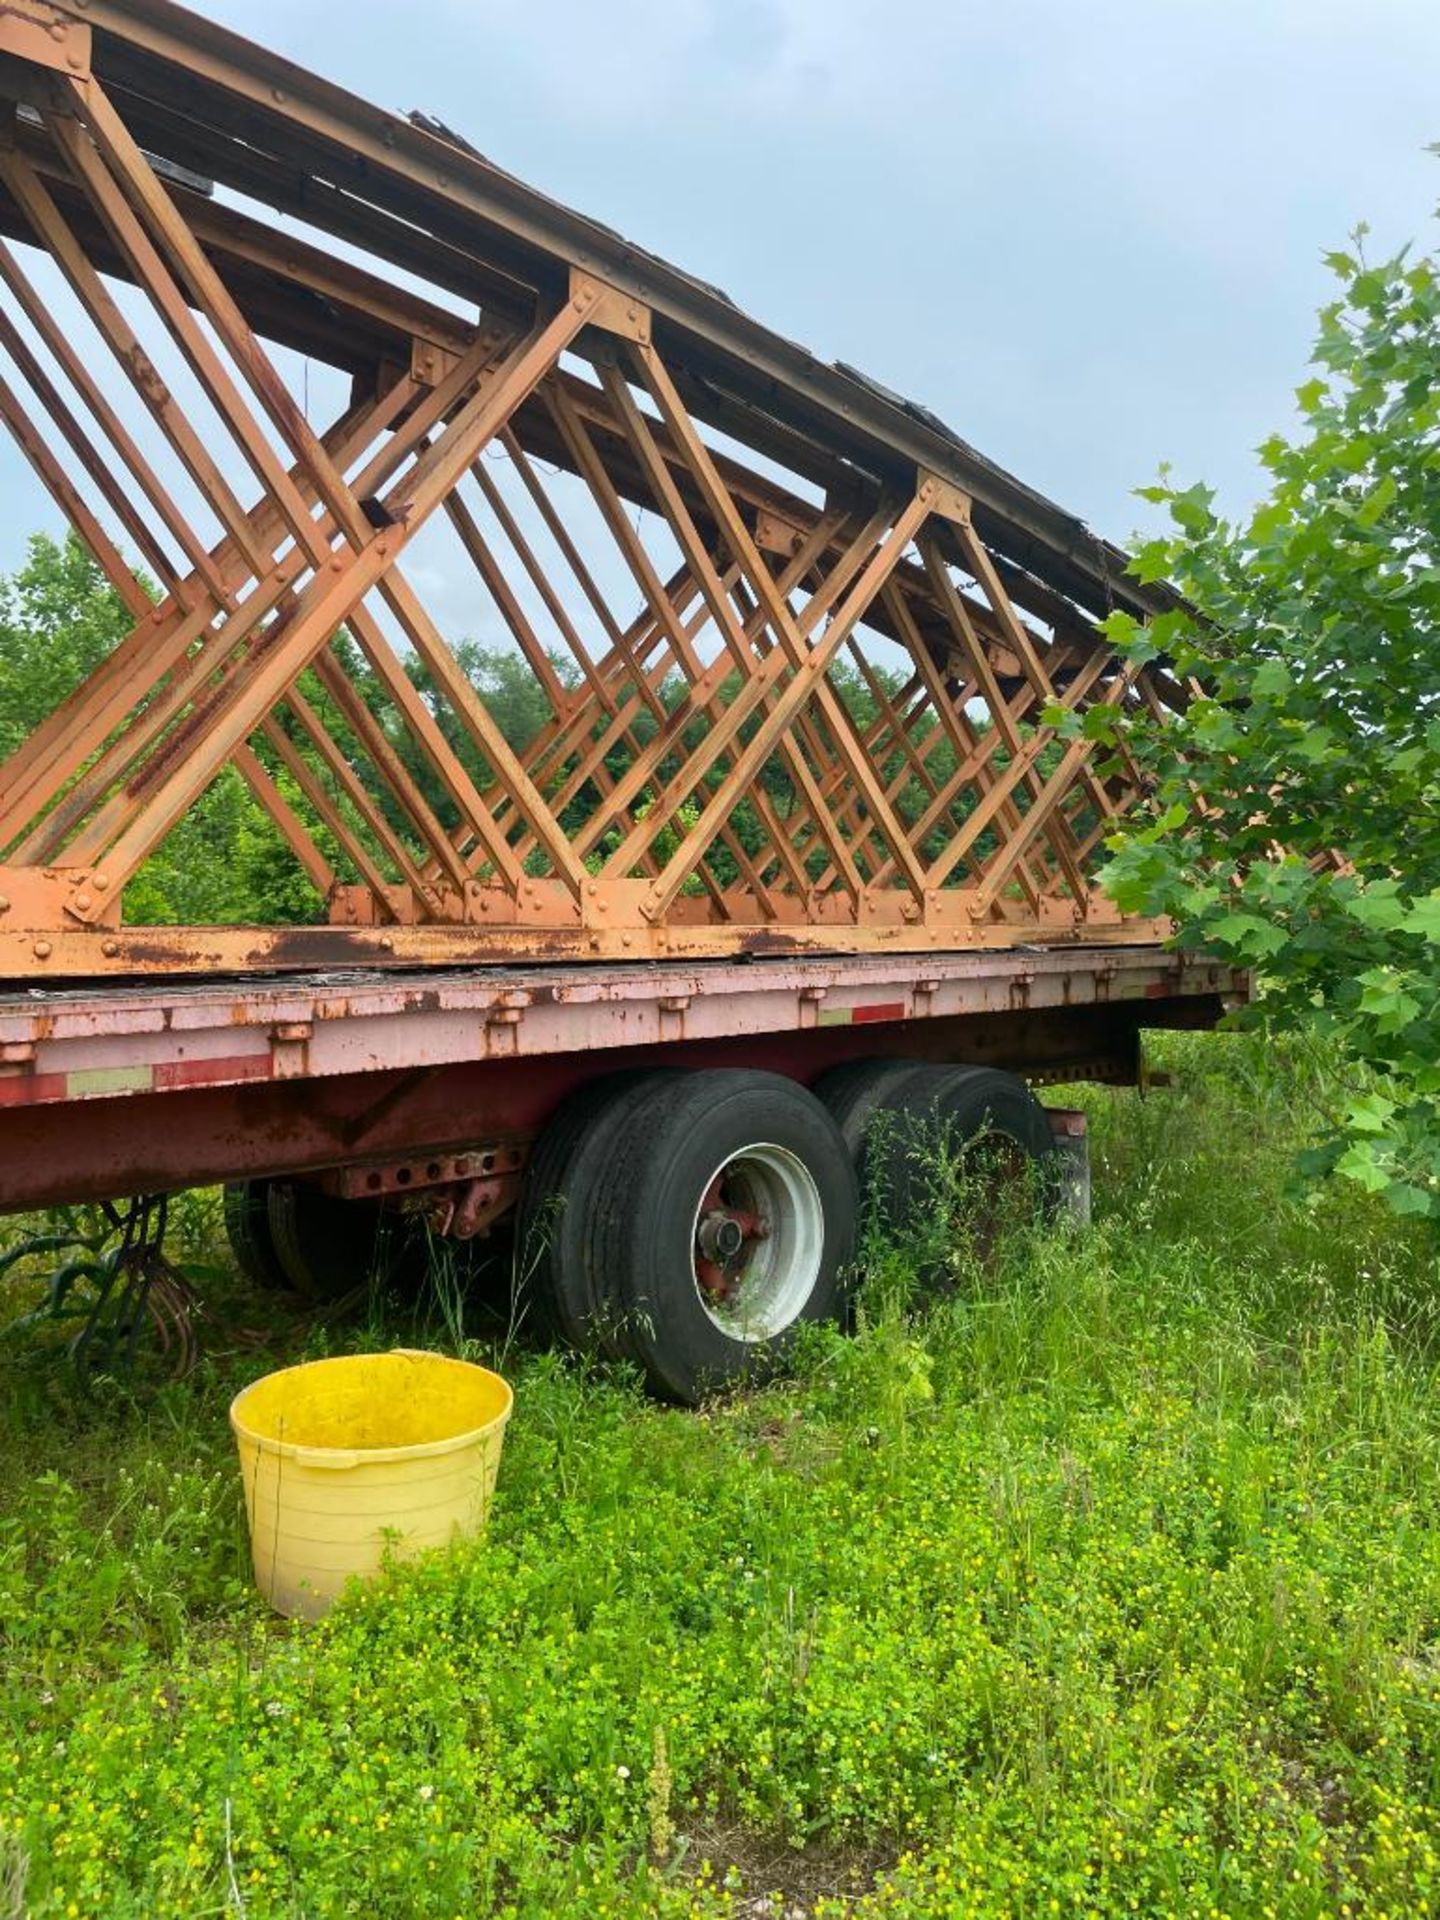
(1088, 236)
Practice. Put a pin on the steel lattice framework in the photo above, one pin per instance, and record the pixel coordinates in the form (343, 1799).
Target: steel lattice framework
(816, 710)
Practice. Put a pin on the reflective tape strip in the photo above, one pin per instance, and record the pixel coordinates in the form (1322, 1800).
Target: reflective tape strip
(861, 1016)
(882, 1010)
(88, 1081)
(160, 1076)
(199, 1073)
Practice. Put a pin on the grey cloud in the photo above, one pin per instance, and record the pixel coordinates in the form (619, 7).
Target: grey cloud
(1088, 237)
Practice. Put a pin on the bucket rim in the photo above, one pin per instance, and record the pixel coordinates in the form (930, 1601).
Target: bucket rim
(307, 1454)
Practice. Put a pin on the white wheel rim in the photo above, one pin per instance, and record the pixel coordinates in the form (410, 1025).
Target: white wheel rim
(769, 1195)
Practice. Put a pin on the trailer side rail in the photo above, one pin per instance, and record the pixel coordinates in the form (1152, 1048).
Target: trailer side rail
(117, 1089)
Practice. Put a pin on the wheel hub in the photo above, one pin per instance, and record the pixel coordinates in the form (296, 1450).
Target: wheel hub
(726, 1235)
(720, 1237)
(757, 1240)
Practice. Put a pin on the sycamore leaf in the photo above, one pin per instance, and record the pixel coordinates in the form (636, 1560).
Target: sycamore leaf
(1098, 724)
(1378, 907)
(1267, 522)
(1253, 937)
(1384, 1000)
(1402, 1197)
(1191, 509)
(1271, 680)
(1359, 1163)
(1424, 917)
(1376, 501)
(1371, 1113)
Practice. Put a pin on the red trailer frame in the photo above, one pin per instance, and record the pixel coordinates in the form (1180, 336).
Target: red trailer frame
(441, 1079)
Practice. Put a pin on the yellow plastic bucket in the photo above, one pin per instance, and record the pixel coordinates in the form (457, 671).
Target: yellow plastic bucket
(348, 1461)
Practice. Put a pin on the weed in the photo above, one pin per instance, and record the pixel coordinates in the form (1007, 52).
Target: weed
(660, 1784)
(1098, 1573)
(13, 1870)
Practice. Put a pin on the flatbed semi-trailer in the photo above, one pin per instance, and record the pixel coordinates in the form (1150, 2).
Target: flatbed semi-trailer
(333, 1103)
(800, 828)
(121, 1089)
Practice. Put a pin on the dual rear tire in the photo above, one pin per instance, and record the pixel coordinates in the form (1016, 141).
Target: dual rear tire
(693, 1222)
(946, 1145)
(291, 1236)
(689, 1222)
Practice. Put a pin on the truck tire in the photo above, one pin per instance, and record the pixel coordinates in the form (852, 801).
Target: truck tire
(550, 1234)
(247, 1228)
(968, 1107)
(723, 1218)
(327, 1247)
(854, 1092)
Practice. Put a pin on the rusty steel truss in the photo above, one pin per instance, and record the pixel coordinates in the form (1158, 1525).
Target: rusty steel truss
(800, 647)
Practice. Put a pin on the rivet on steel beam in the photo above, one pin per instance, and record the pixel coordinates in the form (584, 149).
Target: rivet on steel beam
(83, 903)
(109, 948)
(100, 882)
(43, 949)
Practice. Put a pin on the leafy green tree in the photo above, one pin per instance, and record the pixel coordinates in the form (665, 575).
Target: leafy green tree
(224, 861)
(59, 618)
(1315, 635)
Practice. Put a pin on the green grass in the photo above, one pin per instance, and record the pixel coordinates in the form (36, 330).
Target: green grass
(1106, 1583)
